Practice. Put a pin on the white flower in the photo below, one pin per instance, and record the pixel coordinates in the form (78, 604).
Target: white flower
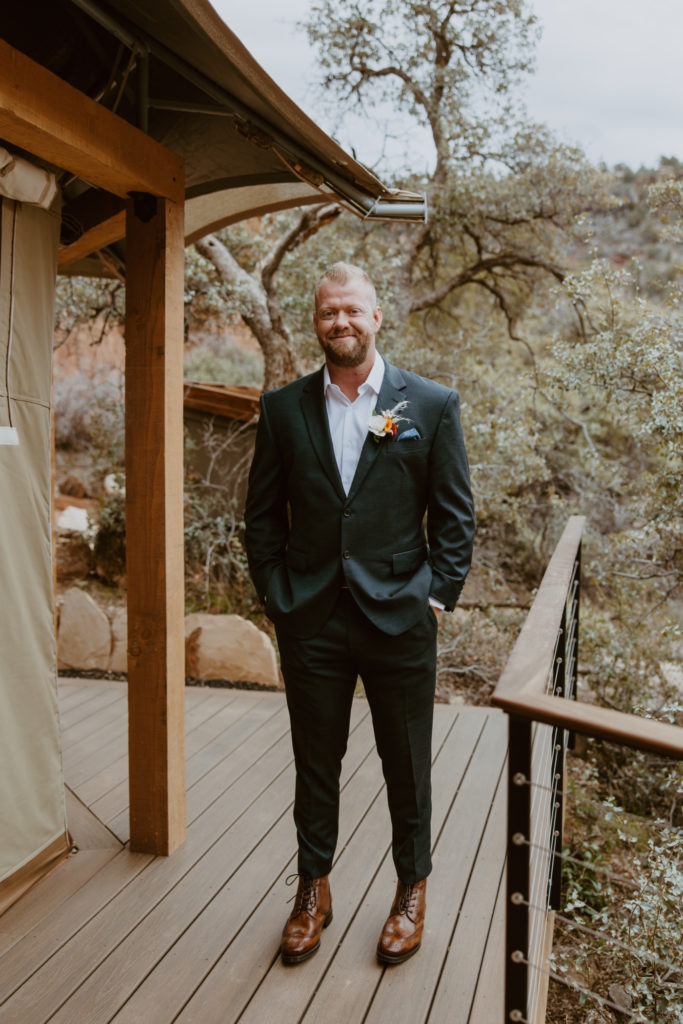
(383, 423)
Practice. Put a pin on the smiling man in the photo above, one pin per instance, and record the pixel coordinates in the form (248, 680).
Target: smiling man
(354, 591)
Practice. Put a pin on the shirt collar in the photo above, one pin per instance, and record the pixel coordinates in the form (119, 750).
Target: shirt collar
(373, 381)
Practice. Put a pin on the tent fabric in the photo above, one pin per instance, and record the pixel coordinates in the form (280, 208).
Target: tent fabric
(21, 180)
(32, 809)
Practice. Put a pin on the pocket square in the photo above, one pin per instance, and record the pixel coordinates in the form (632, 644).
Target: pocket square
(407, 434)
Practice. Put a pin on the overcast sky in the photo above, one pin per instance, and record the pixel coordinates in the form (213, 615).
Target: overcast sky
(609, 72)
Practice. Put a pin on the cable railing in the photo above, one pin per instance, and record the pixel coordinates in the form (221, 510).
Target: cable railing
(537, 689)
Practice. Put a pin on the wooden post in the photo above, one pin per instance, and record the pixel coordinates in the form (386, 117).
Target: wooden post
(154, 522)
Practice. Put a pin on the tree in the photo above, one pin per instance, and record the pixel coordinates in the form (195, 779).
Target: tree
(254, 291)
(501, 190)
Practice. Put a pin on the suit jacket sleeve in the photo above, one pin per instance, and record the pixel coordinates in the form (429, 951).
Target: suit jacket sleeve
(265, 514)
(450, 509)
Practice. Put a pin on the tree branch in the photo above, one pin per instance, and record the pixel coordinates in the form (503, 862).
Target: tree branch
(470, 275)
(310, 221)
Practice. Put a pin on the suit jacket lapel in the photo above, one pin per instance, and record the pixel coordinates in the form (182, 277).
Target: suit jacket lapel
(315, 415)
(391, 393)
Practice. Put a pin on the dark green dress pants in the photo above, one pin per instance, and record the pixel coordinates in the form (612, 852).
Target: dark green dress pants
(398, 674)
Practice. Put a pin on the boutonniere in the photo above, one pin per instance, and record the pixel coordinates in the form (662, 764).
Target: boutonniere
(383, 424)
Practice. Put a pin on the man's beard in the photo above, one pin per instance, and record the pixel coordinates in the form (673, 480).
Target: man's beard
(350, 354)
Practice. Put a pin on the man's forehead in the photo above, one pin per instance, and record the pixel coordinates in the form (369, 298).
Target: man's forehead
(354, 290)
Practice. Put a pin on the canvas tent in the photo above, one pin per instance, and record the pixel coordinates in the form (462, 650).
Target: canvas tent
(32, 816)
(157, 126)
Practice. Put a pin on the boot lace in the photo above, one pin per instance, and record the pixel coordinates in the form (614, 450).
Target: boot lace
(306, 896)
(407, 901)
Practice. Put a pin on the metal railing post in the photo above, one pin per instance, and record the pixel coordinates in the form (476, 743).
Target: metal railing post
(562, 739)
(517, 917)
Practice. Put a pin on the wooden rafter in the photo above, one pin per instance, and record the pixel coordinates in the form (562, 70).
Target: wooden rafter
(101, 235)
(45, 115)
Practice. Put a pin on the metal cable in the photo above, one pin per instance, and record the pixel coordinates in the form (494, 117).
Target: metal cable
(606, 937)
(569, 983)
(618, 879)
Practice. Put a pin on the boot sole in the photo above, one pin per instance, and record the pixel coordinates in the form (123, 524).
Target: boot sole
(289, 959)
(398, 958)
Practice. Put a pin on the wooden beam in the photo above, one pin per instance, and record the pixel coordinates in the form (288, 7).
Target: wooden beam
(531, 659)
(108, 231)
(45, 115)
(236, 403)
(602, 723)
(154, 523)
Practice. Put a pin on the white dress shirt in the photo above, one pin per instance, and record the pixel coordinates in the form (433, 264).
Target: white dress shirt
(350, 422)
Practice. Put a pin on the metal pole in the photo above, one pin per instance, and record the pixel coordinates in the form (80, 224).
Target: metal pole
(519, 834)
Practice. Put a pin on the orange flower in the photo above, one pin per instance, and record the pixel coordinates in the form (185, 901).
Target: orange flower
(385, 422)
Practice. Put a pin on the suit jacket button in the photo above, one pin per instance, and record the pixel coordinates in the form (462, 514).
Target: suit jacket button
(347, 554)
(347, 512)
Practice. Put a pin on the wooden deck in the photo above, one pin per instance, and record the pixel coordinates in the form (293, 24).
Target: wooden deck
(111, 935)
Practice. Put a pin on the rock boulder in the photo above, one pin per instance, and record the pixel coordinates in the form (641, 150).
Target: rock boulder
(84, 637)
(229, 647)
(119, 641)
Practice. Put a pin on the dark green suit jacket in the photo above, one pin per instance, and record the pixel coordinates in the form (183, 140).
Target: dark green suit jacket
(305, 538)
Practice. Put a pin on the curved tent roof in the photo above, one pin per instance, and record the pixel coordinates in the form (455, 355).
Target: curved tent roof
(174, 69)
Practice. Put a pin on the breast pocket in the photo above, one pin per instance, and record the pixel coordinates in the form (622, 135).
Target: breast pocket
(409, 449)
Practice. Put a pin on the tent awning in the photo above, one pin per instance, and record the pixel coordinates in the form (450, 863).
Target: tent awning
(176, 71)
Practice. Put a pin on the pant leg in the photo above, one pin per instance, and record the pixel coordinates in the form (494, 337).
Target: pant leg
(320, 681)
(399, 675)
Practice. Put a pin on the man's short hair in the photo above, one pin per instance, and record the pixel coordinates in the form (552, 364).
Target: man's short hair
(342, 273)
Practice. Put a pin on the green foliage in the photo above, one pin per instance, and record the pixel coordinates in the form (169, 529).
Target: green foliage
(80, 300)
(472, 649)
(107, 433)
(623, 880)
(207, 301)
(216, 570)
(110, 539)
(212, 358)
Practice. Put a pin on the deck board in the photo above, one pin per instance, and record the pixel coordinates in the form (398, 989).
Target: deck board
(356, 957)
(252, 838)
(243, 977)
(198, 707)
(212, 739)
(114, 936)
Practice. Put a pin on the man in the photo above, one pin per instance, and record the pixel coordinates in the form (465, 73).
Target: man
(347, 462)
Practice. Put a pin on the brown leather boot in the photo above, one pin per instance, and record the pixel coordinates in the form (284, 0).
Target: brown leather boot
(402, 932)
(312, 912)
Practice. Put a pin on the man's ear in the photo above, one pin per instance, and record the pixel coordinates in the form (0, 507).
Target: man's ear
(377, 317)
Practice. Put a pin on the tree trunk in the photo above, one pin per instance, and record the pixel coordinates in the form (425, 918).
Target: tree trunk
(280, 363)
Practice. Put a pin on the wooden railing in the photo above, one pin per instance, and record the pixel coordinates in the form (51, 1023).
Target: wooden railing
(538, 691)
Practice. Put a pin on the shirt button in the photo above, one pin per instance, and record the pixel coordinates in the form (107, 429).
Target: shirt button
(347, 554)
